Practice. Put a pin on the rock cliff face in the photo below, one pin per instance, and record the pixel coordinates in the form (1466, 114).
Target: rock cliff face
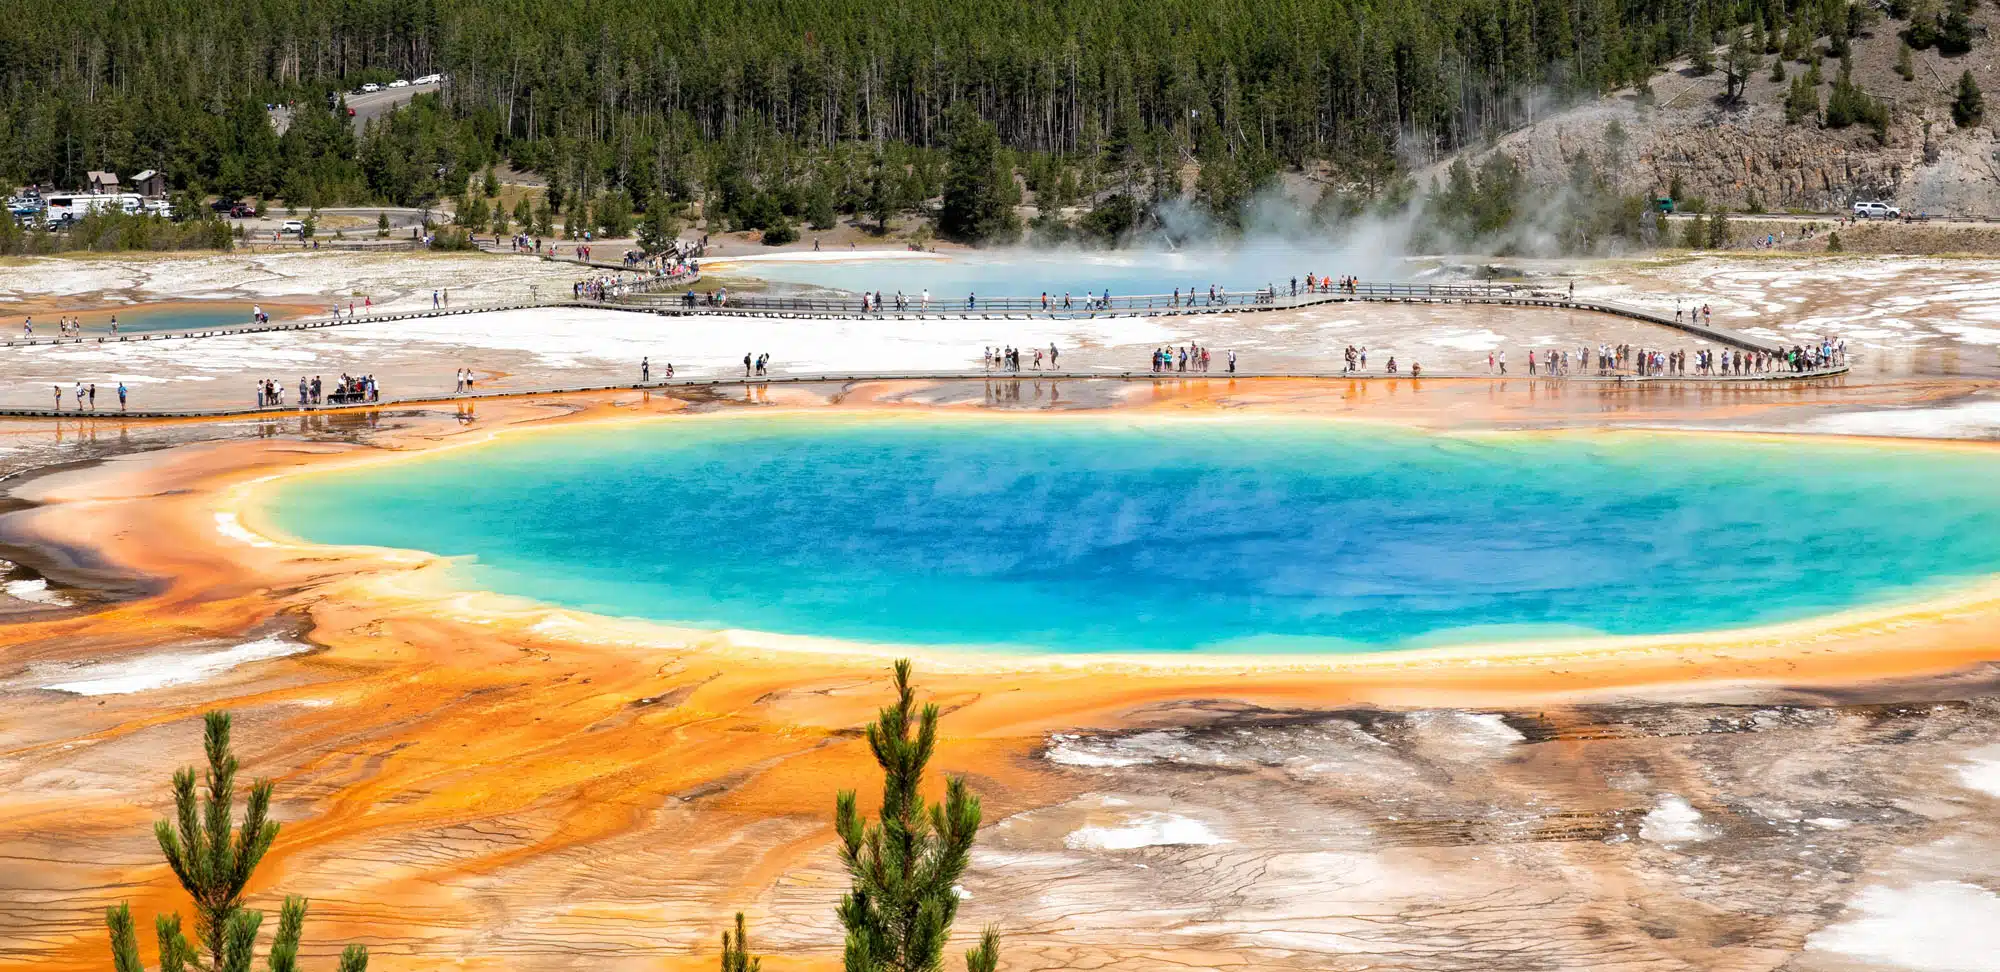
(1741, 154)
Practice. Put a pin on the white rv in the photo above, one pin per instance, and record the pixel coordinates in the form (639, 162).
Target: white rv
(68, 206)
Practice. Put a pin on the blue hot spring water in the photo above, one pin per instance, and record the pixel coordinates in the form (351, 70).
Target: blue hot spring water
(1104, 534)
(1024, 272)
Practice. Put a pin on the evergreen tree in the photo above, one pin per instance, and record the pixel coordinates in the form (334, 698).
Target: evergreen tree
(1905, 67)
(976, 186)
(1954, 33)
(1696, 235)
(905, 868)
(1801, 102)
(780, 231)
(736, 955)
(1110, 220)
(1848, 105)
(213, 859)
(1701, 63)
(885, 193)
(820, 213)
(1738, 64)
(659, 228)
(1969, 107)
(613, 214)
(1718, 231)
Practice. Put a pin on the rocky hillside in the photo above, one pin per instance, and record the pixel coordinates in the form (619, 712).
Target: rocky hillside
(1735, 154)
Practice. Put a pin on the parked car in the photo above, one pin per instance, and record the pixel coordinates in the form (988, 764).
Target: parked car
(293, 227)
(399, 83)
(371, 87)
(430, 79)
(242, 211)
(224, 206)
(1876, 210)
(350, 113)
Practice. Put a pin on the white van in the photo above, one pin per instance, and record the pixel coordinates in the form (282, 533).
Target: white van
(371, 87)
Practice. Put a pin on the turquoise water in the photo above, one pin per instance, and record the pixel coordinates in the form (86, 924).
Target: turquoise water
(1126, 273)
(1104, 534)
(177, 318)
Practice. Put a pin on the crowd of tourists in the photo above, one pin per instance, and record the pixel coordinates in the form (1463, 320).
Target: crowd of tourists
(601, 287)
(873, 303)
(1009, 358)
(350, 390)
(1189, 357)
(653, 269)
(1319, 283)
(1608, 359)
(668, 262)
(86, 396)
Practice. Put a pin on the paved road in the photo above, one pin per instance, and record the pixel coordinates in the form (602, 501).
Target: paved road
(367, 105)
(365, 220)
(375, 104)
(1934, 220)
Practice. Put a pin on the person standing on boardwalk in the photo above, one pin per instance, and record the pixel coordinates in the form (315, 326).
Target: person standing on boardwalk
(1232, 361)
(121, 396)
(58, 390)
(746, 364)
(93, 396)
(645, 370)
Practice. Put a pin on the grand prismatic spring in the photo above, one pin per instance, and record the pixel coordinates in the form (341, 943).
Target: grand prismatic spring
(1102, 535)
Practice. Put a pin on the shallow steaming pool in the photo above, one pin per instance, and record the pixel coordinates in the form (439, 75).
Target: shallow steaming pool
(1108, 534)
(1030, 272)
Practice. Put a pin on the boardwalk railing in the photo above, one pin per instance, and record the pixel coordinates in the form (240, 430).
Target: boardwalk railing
(363, 315)
(1086, 303)
(1201, 302)
(988, 376)
(648, 295)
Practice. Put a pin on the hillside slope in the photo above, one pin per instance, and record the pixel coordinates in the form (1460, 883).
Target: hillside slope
(1732, 155)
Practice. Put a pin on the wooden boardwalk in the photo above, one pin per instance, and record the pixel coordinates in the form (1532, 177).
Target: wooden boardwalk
(1005, 308)
(990, 377)
(1169, 305)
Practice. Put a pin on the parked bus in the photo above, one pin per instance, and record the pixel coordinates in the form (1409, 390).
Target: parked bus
(66, 207)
